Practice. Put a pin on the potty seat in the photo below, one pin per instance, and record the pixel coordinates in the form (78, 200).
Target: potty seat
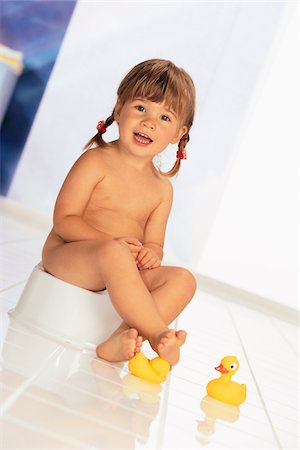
(65, 312)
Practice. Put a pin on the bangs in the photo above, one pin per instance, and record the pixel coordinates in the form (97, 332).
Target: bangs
(159, 89)
(162, 82)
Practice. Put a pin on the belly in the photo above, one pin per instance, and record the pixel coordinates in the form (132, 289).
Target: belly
(116, 224)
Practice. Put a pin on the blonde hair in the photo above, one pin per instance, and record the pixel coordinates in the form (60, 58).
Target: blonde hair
(157, 80)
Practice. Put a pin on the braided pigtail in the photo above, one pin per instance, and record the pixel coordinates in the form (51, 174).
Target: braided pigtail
(181, 154)
(98, 140)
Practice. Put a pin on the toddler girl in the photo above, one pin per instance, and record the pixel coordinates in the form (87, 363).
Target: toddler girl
(111, 213)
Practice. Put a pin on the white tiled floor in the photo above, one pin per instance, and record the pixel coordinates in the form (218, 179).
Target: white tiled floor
(58, 397)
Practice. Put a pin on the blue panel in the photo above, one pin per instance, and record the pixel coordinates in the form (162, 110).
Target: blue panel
(36, 28)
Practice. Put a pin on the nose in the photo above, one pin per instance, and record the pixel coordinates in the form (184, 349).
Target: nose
(149, 122)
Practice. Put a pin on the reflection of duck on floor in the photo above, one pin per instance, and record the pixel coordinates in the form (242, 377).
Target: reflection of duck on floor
(146, 391)
(129, 394)
(214, 410)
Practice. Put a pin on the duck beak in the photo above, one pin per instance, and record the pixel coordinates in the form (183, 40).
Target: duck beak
(222, 369)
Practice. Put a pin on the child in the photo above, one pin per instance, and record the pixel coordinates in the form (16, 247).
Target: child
(111, 213)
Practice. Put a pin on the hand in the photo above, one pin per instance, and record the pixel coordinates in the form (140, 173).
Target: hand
(132, 243)
(147, 259)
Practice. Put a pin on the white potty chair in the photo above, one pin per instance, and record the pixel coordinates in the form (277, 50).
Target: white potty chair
(65, 312)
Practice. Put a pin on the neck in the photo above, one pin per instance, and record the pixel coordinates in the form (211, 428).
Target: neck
(139, 163)
(226, 377)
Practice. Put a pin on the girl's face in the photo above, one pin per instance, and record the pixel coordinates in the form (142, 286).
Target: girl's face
(147, 128)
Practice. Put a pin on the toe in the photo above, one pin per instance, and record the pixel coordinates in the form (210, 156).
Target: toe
(138, 346)
(132, 333)
(181, 335)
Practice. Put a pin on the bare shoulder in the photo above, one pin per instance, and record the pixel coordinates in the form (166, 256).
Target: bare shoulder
(92, 162)
(166, 188)
(87, 171)
(91, 155)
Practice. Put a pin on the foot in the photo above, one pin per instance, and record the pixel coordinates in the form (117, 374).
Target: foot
(169, 343)
(121, 346)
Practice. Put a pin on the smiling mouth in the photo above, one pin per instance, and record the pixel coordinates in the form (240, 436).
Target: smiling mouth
(142, 138)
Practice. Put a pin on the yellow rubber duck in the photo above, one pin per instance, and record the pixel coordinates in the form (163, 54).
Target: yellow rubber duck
(223, 388)
(151, 370)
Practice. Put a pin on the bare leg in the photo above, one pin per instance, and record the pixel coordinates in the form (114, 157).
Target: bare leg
(95, 264)
(171, 288)
(137, 307)
(128, 292)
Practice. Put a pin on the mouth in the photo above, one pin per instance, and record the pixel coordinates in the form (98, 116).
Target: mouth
(221, 369)
(142, 138)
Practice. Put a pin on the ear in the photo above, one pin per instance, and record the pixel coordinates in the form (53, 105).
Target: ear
(181, 132)
(117, 110)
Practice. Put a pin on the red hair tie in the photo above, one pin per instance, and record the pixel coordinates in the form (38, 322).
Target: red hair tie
(181, 154)
(101, 127)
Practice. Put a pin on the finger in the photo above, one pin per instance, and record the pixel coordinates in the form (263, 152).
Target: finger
(156, 264)
(132, 240)
(134, 248)
(149, 263)
(143, 257)
(145, 265)
(146, 260)
(153, 265)
(142, 253)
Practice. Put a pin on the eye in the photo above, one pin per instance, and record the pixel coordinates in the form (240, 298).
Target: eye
(232, 366)
(140, 108)
(166, 118)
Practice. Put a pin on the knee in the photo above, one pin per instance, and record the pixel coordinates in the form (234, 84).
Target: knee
(187, 279)
(111, 249)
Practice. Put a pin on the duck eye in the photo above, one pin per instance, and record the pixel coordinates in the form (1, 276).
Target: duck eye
(232, 366)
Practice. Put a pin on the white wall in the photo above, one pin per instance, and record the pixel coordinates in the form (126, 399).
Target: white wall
(253, 242)
(223, 46)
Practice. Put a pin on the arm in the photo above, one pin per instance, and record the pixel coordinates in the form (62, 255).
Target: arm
(155, 229)
(73, 198)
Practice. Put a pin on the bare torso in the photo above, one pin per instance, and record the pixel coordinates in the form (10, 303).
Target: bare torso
(121, 201)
